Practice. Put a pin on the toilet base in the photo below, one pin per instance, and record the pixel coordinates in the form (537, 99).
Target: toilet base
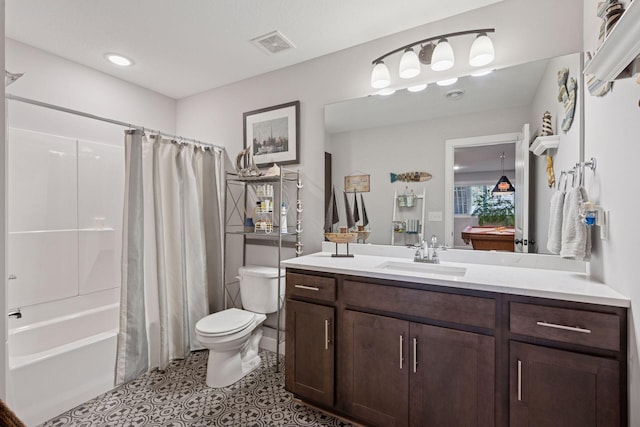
(226, 367)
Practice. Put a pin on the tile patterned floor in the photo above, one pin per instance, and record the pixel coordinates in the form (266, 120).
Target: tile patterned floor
(179, 397)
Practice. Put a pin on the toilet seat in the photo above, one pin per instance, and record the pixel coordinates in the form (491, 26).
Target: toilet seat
(226, 322)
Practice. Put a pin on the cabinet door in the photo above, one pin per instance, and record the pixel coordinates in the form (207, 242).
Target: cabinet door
(310, 351)
(376, 365)
(452, 377)
(560, 388)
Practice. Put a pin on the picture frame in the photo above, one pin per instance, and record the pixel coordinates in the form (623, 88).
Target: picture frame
(274, 134)
(357, 183)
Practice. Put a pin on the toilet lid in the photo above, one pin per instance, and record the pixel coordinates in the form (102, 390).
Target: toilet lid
(225, 322)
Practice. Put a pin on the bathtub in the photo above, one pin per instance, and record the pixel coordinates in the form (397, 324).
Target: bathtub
(57, 364)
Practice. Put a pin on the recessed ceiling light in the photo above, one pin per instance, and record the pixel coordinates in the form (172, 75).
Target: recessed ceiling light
(118, 59)
(447, 82)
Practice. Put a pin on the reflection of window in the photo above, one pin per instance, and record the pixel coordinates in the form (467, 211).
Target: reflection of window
(464, 197)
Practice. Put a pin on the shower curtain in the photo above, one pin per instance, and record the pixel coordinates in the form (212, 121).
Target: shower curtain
(172, 250)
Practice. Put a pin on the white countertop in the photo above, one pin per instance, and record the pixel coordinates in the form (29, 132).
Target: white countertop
(534, 282)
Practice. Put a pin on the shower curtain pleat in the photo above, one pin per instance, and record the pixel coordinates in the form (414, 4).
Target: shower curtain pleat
(176, 190)
(213, 194)
(132, 357)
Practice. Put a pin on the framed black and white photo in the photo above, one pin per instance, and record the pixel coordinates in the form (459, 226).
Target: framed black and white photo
(273, 134)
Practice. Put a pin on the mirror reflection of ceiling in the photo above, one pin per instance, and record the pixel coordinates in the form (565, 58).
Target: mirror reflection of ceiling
(485, 158)
(505, 88)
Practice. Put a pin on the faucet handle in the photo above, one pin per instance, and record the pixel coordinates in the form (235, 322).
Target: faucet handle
(434, 241)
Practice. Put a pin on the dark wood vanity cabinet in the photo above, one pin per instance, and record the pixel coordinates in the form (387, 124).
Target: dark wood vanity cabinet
(566, 365)
(399, 373)
(390, 353)
(551, 387)
(310, 326)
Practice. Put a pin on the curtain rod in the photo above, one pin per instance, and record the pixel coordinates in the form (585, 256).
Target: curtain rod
(104, 119)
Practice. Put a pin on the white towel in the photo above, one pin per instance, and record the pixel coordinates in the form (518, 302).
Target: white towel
(554, 241)
(576, 236)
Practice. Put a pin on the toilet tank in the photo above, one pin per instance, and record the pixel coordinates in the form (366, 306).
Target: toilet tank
(259, 288)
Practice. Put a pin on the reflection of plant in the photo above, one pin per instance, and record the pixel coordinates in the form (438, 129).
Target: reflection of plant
(493, 210)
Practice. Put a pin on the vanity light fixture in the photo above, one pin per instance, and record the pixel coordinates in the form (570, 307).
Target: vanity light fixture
(118, 59)
(409, 64)
(503, 186)
(440, 56)
(481, 52)
(380, 77)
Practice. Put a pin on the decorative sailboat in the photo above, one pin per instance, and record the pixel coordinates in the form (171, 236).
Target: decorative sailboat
(363, 231)
(345, 236)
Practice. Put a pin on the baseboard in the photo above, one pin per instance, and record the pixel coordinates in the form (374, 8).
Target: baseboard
(268, 341)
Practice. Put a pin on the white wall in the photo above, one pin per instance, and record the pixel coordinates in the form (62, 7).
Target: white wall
(374, 151)
(216, 115)
(612, 127)
(567, 153)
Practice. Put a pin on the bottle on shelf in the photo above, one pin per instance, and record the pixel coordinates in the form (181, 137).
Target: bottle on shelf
(283, 218)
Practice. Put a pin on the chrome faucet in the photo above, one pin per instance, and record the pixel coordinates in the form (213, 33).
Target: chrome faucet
(425, 253)
(15, 313)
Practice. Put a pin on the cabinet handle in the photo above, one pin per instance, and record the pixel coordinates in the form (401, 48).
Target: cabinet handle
(326, 334)
(309, 288)
(415, 355)
(401, 353)
(563, 327)
(519, 380)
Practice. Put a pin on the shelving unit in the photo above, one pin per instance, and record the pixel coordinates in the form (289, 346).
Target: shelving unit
(262, 197)
(620, 48)
(544, 143)
(403, 212)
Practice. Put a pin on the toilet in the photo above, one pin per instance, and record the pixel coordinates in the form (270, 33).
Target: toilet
(233, 336)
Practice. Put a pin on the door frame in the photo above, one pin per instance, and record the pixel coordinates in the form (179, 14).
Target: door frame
(450, 146)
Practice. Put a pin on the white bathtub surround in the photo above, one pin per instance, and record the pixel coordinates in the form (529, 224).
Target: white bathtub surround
(536, 282)
(57, 363)
(164, 283)
(58, 186)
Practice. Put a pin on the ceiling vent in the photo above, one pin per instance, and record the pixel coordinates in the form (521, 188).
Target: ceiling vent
(454, 94)
(272, 43)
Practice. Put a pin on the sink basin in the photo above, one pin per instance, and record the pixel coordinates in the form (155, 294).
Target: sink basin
(426, 268)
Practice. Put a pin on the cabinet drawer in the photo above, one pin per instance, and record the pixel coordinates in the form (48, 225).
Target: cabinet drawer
(309, 286)
(582, 327)
(461, 309)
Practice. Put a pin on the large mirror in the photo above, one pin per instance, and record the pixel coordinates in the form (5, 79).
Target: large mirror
(407, 132)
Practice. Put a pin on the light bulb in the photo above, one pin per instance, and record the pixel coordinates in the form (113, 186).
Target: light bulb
(409, 64)
(481, 52)
(442, 58)
(380, 77)
(118, 59)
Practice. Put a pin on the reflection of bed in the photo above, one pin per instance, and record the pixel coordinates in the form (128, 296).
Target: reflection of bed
(487, 238)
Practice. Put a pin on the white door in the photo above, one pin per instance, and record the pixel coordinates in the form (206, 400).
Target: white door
(522, 241)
